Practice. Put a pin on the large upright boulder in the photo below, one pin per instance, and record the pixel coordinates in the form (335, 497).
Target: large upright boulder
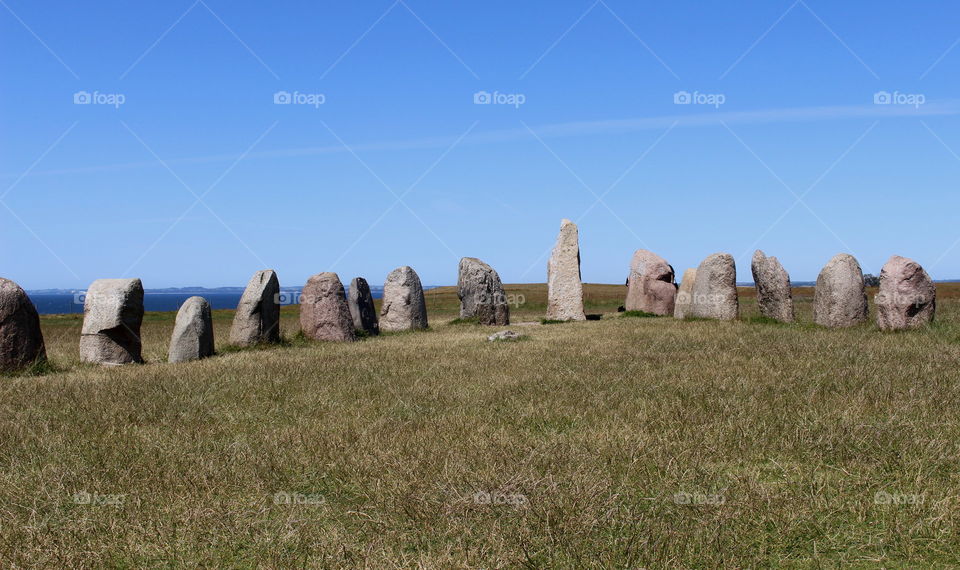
(564, 288)
(324, 314)
(192, 337)
(907, 298)
(840, 299)
(685, 294)
(21, 342)
(715, 289)
(258, 314)
(403, 305)
(112, 315)
(650, 286)
(481, 293)
(773, 288)
(362, 310)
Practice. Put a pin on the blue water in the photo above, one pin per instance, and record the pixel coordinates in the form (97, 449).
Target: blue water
(52, 304)
(63, 303)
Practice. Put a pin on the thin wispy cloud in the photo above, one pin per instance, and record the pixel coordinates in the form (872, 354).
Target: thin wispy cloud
(569, 129)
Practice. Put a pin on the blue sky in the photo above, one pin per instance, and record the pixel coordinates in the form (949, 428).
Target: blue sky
(583, 123)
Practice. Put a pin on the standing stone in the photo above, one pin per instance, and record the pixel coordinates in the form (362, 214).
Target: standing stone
(685, 294)
(258, 313)
(564, 288)
(907, 297)
(192, 337)
(650, 286)
(112, 315)
(840, 299)
(481, 293)
(324, 314)
(21, 342)
(773, 288)
(362, 311)
(403, 305)
(715, 289)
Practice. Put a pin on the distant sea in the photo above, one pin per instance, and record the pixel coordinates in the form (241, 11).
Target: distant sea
(60, 301)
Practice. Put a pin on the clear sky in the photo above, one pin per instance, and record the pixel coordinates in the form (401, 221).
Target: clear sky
(143, 138)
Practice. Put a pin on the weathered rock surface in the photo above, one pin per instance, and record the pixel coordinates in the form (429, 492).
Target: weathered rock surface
(773, 288)
(21, 342)
(564, 288)
(907, 298)
(192, 337)
(681, 307)
(650, 286)
(112, 315)
(715, 289)
(481, 293)
(839, 299)
(324, 313)
(362, 310)
(504, 335)
(258, 313)
(403, 304)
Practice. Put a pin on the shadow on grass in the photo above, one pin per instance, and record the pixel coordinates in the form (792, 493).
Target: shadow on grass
(639, 314)
(762, 320)
(41, 367)
(406, 332)
(465, 321)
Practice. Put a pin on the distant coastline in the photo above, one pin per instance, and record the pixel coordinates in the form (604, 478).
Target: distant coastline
(70, 301)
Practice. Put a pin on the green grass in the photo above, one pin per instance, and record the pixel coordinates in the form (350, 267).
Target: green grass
(618, 443)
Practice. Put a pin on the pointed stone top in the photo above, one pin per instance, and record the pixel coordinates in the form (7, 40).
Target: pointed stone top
(566, 222)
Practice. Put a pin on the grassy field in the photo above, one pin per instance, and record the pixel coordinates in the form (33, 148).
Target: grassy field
(617, 442)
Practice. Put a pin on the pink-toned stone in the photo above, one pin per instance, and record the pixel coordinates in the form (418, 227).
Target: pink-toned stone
(907, 298)
(650, 286)
(324, 313)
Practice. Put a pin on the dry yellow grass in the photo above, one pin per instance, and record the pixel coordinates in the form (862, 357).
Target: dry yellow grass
(620, 442)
